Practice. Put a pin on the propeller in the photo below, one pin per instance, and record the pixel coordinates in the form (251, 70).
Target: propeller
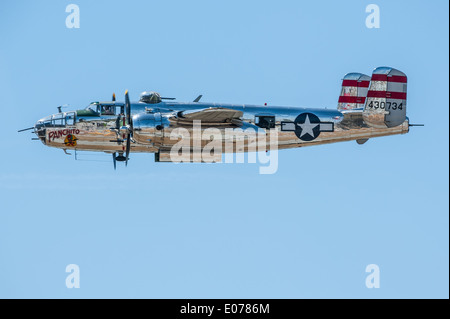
(127, 152)
(130, 126)
(117, 119)
(118, 158)
(129, 122)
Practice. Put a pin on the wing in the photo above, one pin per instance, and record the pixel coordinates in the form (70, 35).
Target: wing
(213, 116)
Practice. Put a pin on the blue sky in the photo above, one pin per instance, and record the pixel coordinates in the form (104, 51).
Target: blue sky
(224, 231)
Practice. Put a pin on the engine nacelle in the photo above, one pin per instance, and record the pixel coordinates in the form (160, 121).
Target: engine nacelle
(148, 128)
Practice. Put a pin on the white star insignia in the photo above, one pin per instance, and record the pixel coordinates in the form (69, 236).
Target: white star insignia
(308, 127)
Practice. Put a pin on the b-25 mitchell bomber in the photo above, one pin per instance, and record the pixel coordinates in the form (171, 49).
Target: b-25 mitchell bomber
(368, 107)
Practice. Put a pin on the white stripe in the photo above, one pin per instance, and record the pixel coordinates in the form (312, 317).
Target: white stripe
(397, 87)
(326, 127)
(378, 86)
(288, 126)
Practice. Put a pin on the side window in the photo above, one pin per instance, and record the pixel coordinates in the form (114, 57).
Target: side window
(107, 109)
(93, 108)
(58, 120)
(264, 121)
(119, 109)
(70, 119)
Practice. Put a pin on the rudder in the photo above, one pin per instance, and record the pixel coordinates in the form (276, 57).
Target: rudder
(354, 91)
(386, 99)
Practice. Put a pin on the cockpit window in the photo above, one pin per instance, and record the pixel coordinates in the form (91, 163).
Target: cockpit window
(93, 107)
(107, 109)
(46, 121)
(70, 119)
(57, 120)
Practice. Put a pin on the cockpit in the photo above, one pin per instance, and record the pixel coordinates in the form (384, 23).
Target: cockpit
(102, 108)
(57, 120)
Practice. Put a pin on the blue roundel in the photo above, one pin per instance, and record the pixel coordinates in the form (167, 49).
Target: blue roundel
(307, 126)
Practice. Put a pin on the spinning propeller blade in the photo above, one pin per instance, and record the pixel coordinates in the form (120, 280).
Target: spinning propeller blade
(127, 153)
(130, 126)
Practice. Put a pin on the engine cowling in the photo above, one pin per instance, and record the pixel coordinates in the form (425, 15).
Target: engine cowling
(148, 128)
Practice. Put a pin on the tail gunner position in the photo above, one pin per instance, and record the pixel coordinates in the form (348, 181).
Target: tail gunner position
(368, 107)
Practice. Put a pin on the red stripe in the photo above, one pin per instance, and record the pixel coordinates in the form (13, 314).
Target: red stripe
(396, 95)
(393, 78)
(361, 84)
(389, 95)
(364, 84)
(349, 83)
(379, 77)
(398, 78)
(352, 99)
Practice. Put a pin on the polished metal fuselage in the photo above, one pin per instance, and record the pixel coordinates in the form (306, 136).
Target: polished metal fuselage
(98, 133)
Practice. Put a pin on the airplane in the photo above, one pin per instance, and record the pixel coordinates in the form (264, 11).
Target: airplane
(368, 107)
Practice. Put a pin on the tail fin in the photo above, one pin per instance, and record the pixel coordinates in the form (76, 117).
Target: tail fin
(386, 99)
(354, 91)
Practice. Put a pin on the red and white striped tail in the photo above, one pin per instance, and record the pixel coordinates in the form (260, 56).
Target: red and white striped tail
(386, 99)
(354, 91)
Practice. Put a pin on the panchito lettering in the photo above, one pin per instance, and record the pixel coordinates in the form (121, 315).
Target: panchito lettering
(60, 133)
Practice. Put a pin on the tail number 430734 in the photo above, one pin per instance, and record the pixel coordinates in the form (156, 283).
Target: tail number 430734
(385, 105)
